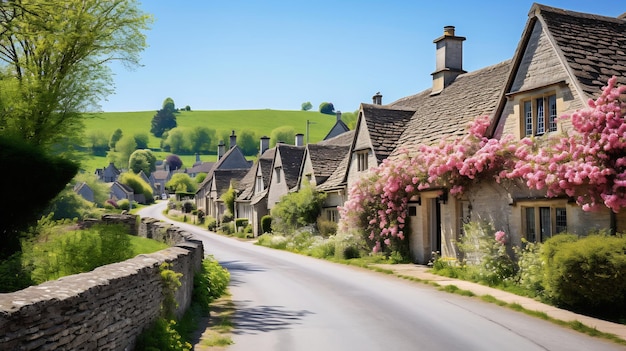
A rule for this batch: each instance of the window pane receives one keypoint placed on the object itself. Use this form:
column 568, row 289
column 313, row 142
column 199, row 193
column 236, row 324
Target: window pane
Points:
column 541, row 122
column 528, row 118
column 530, row 224
column 545, row 224
column 561, row 220
column 552, row 107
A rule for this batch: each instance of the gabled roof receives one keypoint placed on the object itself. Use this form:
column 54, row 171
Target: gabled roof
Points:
column 448, row 113
column 325, row 159
column 385, row 124
column 224, row 177
column 291, row 159
column 247, row 184
column 202, row 167
column 232, row 159
column 339, row 128
column 160, row 175
column 343, row 139
column 336, row 179
column 593, row 46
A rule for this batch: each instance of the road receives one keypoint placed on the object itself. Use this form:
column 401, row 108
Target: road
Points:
column 290, row 302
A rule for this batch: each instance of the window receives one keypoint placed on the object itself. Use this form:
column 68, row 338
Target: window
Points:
column 278, row 171
column 362, row 160
column 332, row 215
column 541, row 223
column 259, row 184
column 539, row 114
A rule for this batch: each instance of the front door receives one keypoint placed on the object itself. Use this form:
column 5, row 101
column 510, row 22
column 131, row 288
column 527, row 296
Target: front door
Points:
column 435, row 225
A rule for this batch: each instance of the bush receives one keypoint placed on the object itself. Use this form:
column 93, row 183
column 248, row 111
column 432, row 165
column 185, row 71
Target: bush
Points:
column 200, row 215
column 14, row 275
column 587, row 274
column 227, row 228
column 266, row 224
column 324, row 248
column 138, row 185
column 530, row 268
column 326, row 228
column 211, row 223
column 227, row 217
column 188, row 206
column 241, row 223
column 297, row 209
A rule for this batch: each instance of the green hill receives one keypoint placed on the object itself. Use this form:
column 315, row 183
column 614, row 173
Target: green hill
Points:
column 262, row 122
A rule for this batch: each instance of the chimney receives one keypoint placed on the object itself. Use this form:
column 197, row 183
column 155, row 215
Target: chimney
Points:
column 198, row 159
column 338, row 116
column 449, row 59
column 233, row 140
column 221, row 150
column 265, row 144
column 377, row 99
column 299, row 139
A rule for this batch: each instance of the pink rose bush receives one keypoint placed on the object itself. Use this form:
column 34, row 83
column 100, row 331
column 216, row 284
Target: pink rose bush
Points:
column 589, row 165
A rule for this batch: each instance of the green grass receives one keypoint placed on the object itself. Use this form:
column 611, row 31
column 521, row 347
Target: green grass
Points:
column 262, row 122
column 145, row 246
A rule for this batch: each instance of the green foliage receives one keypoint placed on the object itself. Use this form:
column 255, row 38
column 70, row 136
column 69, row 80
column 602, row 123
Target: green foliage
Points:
column 99, row 188
column 75, row 251
column 200, row 177
column 177, row 141
column 248, row 142
column 162, row 336
column 229, row 201
column 586, row 274
column 124, row 148
column 181, row 182
column 170, row 281
column 241, row 222
column 211, row 223
column 216, row 279
column 266, row 224
column 327, row 108
column 14, row 275
column 306, row 106
column 142, row 160
column 297, row 209
column 138, row 185
column 69, row 205
column 142, row 139
column 481, row 249
column 285, row 134
column 49, row 79
column 24, row 204
column 123, row 204
column 115, row 137
column 201, row 140
column 98, row 143
column 326, row 227
column 530, row 268
column 227, row 227
column 164, row 120
column 168, row 104
column 350, row 118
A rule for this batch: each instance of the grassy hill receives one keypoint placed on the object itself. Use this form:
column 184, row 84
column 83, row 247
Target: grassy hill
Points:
column 262, row 122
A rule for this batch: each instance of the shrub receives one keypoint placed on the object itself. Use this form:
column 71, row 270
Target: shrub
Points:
column 123, row 204
column 323, row 248
column 211, row 223
column 587, row 274
column 227, row 228
column 188, row 206
column 530, row 267
column 297, row 209
column 326, row 228
column 138, row 185
column 227, row 217
column 200, row 215
column 266, row 224
column 241, row 223
column 111, row 202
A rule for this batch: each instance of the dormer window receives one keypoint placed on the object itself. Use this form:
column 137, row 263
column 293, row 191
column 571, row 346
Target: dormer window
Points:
column 259, row 184
column 361, row 157
column 278, row 173
column 539, row 115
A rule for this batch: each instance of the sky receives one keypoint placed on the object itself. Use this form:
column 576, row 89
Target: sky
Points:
column 244, row 54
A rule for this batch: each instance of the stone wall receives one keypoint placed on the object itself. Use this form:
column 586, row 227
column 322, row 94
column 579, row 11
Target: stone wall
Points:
column 105, row 309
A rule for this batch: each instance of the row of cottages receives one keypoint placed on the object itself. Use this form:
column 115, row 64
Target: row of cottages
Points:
column 563, row 59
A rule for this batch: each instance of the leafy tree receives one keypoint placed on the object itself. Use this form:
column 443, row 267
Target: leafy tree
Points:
column 141, row 139
column 200, row 177
column 174, row 162
column 115, row 137
column 307, row 106
column 350, row 118
column 229, row 199
column 285, row 134
column 125, row 147
column 57, row 62
column 68, row 205
column 182, row 182
column 187, row 108
column 201, row 139
column 176, row 141
column 297, row 209
column 248, row 142
column 27, row 202
column 142, row 160
column 99, row 188
column 138, row 185
column 98, row 142
column 162, row 121
column 327, row 108
column 168, row 104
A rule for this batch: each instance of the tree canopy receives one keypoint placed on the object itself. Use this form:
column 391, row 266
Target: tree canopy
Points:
column 54, row 57
column 174, row 162
column 168, row 104
column 142, row 160
column 306, row 106
column 164, row 120
column 327, row 108
column 181, row 182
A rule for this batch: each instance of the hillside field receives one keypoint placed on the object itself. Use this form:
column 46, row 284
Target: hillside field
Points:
column 261, row 122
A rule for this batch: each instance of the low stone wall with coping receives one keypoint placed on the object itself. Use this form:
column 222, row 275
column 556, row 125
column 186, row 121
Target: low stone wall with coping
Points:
column 105, row 309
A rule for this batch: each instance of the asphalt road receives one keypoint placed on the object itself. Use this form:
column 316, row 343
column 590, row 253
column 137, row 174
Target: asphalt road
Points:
column 291, row 302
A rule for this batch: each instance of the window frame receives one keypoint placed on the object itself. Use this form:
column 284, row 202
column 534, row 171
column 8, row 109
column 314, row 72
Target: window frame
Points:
column 362, row 157
column 534, row 221
column 539, row 113
column 277, row 171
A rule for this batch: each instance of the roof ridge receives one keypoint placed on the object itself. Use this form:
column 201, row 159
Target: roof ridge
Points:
column 556, row 10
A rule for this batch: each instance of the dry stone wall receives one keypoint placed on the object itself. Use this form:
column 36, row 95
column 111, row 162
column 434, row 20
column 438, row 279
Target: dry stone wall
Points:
column 105, row 309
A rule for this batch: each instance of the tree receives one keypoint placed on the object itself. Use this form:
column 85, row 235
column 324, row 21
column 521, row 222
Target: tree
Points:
column 201, row 139
column 142, row 160
column 187, row 108
column 115, row 137
column 327, row 108
column 141, row 139
column 138, row 185
column 100, row 189
column 181, row 182
column 98, row 142
column 350, row 118
column 285, row 134
column 174, row 162
column 307, row 106
column 248, row 142
column 229, row 199
column 297, row 209
column 164, row 120
column 125, row 147
column 176, row 141
column 27, row 202
column 57, row 62
column 168, row 104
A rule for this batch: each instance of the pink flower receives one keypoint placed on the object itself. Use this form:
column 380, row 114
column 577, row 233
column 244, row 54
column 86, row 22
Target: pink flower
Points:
column 500, row 237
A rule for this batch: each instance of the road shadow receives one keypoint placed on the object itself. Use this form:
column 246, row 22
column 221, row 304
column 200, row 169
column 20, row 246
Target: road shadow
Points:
column 262, row 319
column 238, row 269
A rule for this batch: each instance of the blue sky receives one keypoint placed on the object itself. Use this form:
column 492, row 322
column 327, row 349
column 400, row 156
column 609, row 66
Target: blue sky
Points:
column 243, row 54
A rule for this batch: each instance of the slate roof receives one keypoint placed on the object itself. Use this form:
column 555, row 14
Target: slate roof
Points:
column 339, row 128
column 385, row 125
column 291, row 157
column 343, row 139
column 202, row 167
column 247, row 184
column 325, row 159
column 594, row 46
column 223, row 178
column 448, row 113
column 222, row 163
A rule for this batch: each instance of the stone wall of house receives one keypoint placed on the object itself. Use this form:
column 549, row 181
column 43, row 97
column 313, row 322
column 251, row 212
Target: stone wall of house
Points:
column 105, row 309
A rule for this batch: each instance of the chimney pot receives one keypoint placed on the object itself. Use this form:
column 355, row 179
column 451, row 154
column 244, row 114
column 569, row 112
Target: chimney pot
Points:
column 448, row 31
column 233, row 140
column 265, row 144
column 221, row 149
column 299, row 139
column 338, row 116
column 377, row 99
